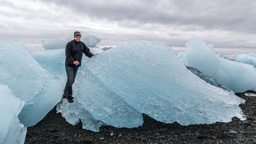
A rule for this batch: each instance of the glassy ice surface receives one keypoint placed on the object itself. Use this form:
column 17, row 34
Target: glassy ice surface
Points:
column 40, row 90
column 11, row 130
column 246, row 58
column 116, row 87
column 237, row 76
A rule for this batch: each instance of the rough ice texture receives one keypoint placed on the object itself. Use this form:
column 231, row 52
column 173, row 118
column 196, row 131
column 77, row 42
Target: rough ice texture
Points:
column 246, row 58
column 116, row 87
column 29, row 81
column 11, row 130
column 237, row 76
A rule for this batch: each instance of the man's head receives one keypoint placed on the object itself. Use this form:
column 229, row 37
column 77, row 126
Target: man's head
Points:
column 77, row 36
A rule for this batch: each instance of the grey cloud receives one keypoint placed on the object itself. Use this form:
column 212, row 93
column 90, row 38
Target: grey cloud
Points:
column 226, row 23
column 213, row 14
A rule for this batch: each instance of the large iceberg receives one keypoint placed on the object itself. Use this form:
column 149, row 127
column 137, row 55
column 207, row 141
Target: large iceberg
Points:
column 237, row 76
column 246, row 58
column 116, row 87
column 11, row 130
column 40, row 90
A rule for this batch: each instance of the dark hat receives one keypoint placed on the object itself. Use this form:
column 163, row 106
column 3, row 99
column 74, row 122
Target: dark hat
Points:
column 77, row 33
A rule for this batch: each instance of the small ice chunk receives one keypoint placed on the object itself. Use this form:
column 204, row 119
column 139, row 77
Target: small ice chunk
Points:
column 250, row 94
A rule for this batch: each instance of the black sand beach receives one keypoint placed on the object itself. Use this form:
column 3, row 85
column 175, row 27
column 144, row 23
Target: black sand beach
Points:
column 54, row 129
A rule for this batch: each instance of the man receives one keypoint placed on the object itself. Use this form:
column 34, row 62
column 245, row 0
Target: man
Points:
column 74, row 53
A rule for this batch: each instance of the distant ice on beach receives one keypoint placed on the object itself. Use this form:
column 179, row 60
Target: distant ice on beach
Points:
column 250, row 94
column 59, row 43
column 246, row 58
column 91, row 42
column 237, row 76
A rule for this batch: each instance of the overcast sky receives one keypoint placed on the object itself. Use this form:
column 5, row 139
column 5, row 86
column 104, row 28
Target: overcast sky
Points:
column 224, row 23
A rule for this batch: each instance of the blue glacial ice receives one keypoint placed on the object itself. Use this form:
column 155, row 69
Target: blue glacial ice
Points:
column 91, row 41
column 206, row 78
column 237, row 76
column 51, row 60
column 39, row 89
column 117, row 86
column 11, row 130
column 246, row 58
column 96, row 50
column 59, row 43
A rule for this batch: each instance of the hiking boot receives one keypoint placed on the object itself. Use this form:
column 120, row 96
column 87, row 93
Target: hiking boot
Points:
column 70, row 99
column 64, row 96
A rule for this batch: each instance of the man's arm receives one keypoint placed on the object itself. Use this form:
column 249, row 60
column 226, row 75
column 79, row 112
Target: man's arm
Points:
column 86, row 51
column 68, row 53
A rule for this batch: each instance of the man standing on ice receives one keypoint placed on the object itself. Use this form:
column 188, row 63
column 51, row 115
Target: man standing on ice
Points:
column 74, row 53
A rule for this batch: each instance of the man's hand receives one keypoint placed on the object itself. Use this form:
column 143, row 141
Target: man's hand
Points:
column 76, row 63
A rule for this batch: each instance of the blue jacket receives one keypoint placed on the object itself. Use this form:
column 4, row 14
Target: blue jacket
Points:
column 74, row 52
